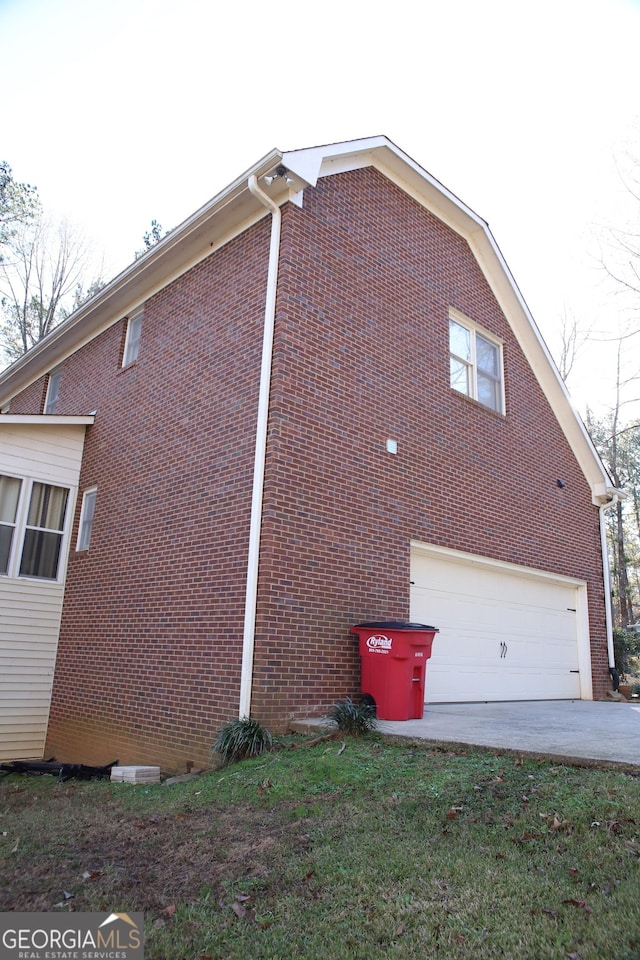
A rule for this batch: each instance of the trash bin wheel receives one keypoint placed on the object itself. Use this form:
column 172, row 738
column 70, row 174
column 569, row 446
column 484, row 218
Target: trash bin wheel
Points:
column 369, row 701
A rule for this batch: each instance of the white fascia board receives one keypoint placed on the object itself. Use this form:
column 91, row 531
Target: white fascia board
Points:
column 525, row 329
column 311, row 163
column 397, row 166
column 44, row 420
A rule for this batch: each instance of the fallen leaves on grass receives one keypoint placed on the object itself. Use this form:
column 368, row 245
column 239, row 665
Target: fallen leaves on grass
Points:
column 616, row 826
column 581, row 904
column 556, row 822
column 632, row 848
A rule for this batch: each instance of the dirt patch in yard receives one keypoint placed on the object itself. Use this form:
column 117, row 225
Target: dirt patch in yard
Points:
column 108, row 856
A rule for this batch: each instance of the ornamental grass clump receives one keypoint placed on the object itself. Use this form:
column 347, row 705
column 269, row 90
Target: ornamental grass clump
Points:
column 241, row 739
column 354, row 719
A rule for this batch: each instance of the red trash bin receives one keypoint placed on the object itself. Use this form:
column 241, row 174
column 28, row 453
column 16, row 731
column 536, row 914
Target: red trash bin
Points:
column 393, row 656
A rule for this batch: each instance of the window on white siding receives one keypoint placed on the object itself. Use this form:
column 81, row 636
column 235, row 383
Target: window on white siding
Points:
column 86, row 518
column 43, row 531
column 9, row 498
column 53, row 389
column 132, row 343
column 476, row 363
column 33, row 523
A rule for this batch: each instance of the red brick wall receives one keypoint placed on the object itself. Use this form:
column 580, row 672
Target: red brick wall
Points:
column 150, row 649
column 361, row 354
column 149, row 658
column 31, row 400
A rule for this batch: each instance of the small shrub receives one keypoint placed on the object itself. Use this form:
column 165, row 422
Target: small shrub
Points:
column 240, row 739
column 355, row 719
column 626, row 646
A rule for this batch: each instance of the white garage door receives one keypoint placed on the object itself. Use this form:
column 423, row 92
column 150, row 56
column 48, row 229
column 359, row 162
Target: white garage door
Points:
column 506, row 632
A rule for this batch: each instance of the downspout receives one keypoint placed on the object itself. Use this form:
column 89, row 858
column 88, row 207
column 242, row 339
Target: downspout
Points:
column 606, row 570
column 253, row 559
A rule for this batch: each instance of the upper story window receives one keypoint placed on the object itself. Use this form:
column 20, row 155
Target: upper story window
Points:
column 33, row 521
column 86, row 518
column 476, row 363
column 53, row 389
column 132, row 342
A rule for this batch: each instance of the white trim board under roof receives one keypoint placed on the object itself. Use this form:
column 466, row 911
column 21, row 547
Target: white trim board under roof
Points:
column 45, row 420
column 235, row 208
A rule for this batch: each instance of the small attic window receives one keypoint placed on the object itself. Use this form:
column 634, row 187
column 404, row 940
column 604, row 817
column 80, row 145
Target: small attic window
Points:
column 475, row 363
column 53, row 389
column 132, row 343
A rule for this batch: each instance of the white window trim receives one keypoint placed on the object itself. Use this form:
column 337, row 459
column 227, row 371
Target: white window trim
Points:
column 87, row 513
column 475, row 328
column 132, row 339
column 21, row 526
column 53, row 391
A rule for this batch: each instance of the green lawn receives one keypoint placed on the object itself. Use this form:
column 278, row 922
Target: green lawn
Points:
column 369, row 850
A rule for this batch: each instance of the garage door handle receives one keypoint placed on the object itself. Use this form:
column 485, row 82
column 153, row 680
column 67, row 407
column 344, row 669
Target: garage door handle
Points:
column 503, row 649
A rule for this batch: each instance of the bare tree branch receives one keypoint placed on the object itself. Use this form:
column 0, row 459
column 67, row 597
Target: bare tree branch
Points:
column 47, row 265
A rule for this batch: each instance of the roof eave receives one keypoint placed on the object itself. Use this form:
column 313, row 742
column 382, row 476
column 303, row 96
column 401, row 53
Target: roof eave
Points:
column 225, row 214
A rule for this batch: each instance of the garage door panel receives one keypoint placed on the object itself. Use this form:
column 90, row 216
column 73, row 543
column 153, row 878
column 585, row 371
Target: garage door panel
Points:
column 505, row 633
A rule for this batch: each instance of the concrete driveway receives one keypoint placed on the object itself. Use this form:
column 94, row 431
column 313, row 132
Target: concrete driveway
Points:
column 579, row 730
column 567, row 729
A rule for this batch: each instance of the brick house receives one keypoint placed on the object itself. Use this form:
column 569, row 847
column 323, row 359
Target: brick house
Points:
column 320, row 400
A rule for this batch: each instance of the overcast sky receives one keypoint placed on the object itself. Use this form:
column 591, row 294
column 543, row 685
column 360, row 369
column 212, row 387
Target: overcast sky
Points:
column 124, row 111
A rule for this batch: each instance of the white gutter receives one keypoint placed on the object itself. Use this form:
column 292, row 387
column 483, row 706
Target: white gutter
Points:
column 606, row 570
column 248, row 642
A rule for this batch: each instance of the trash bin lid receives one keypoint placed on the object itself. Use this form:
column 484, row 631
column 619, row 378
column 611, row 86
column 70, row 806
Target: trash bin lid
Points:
column 393, row 625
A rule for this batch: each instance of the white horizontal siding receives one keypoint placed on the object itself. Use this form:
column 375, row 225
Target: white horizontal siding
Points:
column 30, row 614
column 51, row 453
column 30, row 610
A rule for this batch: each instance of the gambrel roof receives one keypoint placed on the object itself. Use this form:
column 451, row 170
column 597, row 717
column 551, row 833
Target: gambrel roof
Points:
column 235, row 208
